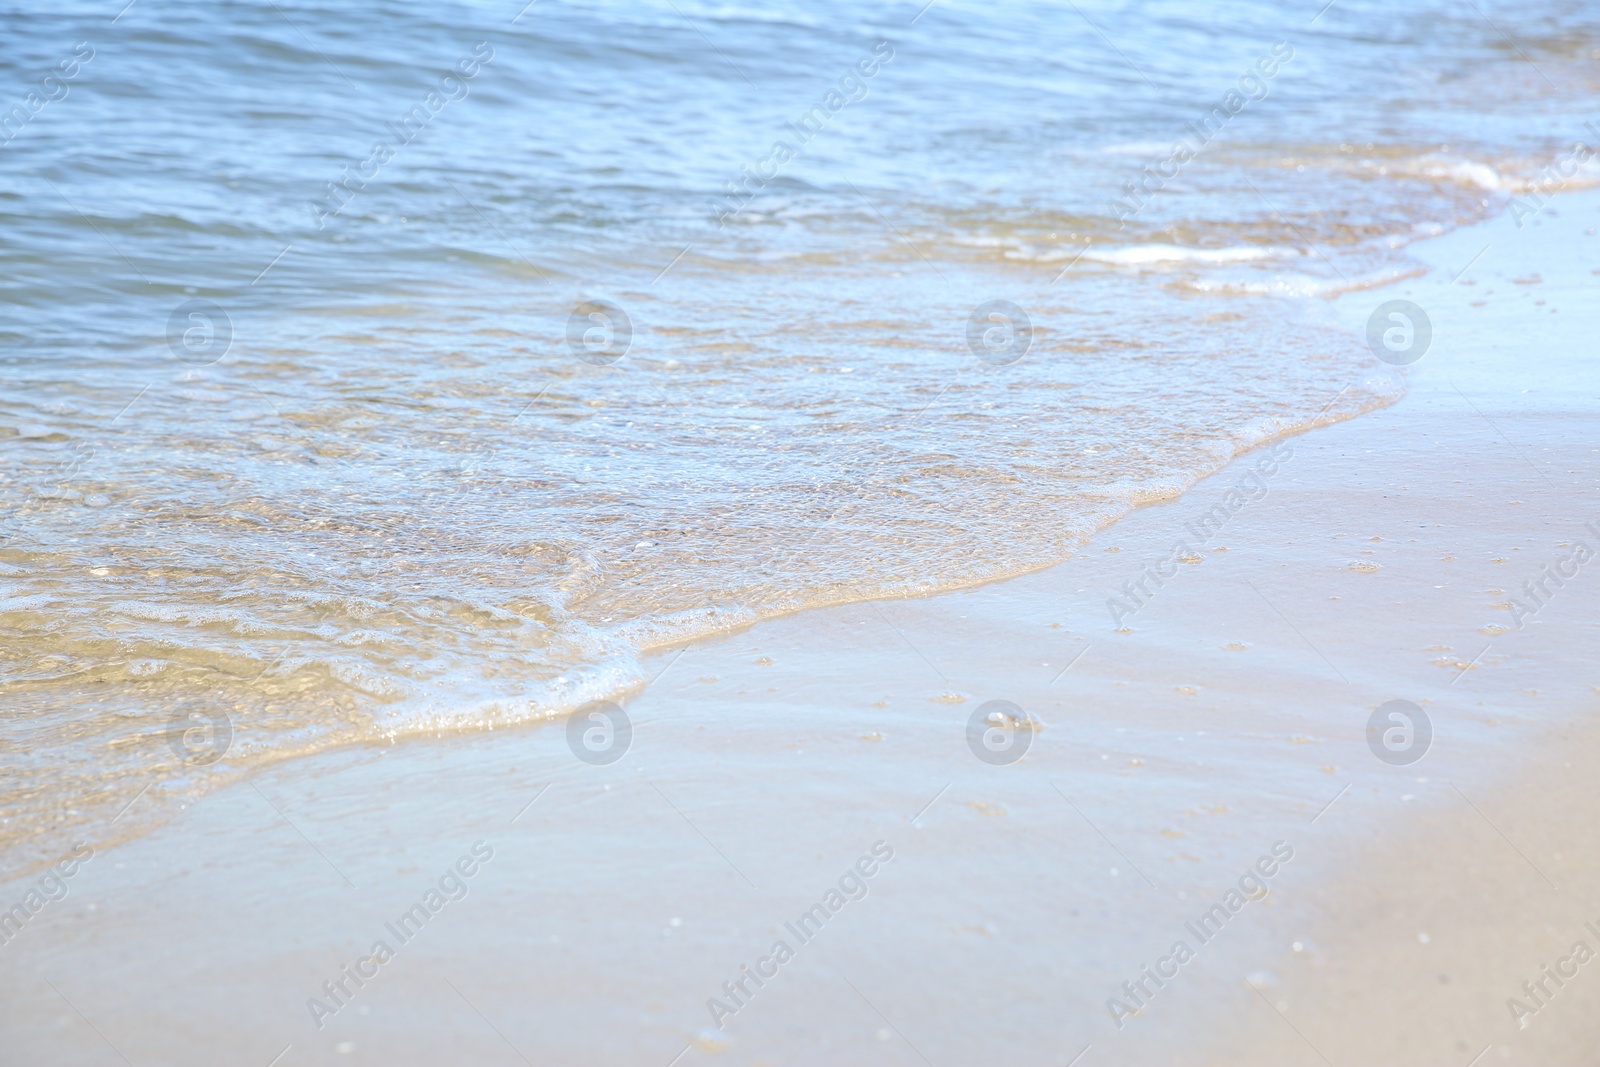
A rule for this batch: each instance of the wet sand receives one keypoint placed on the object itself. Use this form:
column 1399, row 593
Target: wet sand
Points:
column 1221, row 726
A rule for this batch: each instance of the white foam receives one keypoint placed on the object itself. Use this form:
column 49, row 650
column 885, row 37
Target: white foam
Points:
column 1293, row 284
column 1142, row 255
column 1138, row 148
column 1480, row 174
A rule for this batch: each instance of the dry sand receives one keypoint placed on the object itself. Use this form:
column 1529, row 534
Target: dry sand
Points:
column 1020, row 897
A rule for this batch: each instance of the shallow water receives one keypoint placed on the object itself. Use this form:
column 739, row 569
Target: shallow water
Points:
column 391, row 476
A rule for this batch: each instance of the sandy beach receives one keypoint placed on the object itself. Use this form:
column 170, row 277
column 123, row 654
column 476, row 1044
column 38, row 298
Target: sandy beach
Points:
column 817, row 781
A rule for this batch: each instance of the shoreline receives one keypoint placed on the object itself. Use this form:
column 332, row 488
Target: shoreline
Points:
column 622, row 673
column 1158, row 763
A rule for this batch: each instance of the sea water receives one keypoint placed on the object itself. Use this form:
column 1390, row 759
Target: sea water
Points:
column 386, row 369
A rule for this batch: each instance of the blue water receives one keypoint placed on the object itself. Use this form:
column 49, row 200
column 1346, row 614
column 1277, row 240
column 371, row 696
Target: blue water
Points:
column 631, row 321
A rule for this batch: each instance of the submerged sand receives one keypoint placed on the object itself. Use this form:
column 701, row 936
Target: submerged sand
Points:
column 810, row 782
